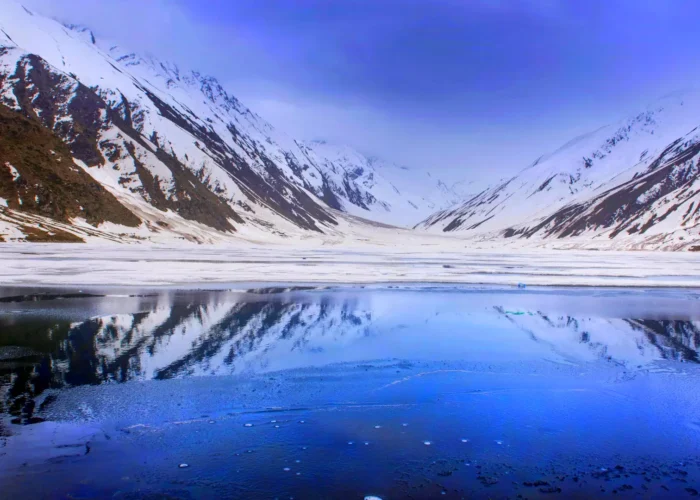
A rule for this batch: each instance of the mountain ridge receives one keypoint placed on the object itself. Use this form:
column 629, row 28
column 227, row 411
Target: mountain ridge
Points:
column 158, row 136
column 599, row 185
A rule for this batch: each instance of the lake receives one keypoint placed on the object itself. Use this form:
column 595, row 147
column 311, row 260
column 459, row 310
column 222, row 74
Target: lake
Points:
column 349, row 392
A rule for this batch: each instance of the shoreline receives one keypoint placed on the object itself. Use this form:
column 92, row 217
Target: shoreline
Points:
column 263, row 288
column 218, row 268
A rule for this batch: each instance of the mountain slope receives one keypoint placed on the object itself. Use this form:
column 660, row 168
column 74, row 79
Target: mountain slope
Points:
column 172, row 146
column 635, row 182
column 35, row 159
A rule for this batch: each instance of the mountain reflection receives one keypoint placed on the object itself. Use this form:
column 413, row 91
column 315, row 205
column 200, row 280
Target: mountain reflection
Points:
column 240, row 334
column 624, row 341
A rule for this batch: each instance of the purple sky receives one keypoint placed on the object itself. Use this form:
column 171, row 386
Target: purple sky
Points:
column 461, row 87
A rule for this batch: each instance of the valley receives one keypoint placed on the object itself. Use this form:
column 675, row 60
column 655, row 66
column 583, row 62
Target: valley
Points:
column 130, row 149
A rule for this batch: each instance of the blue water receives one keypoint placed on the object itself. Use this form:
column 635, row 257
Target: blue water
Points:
column 349, row 392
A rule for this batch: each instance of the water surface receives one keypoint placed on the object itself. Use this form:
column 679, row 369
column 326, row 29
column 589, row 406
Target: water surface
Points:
column 348, row 392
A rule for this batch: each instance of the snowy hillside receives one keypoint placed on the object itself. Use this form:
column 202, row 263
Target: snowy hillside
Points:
column 170, row 150
column 635, row 181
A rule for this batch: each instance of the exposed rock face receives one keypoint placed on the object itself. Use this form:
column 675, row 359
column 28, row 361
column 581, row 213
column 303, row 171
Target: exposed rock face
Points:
column 37, row 175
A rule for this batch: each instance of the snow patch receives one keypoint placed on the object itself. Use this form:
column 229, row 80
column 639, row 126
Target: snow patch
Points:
column 13, row 171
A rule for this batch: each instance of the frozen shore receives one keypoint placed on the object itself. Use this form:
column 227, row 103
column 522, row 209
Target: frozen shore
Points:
column 187, row 265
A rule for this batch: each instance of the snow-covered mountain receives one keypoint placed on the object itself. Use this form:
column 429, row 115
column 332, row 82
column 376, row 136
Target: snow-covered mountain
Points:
column 100, row 143
column 113, row 144
column 379, row 190
column 635, row 183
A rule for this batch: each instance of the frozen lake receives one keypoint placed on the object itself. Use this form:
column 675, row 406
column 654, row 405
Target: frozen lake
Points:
column 349, row 392
column 397, row 261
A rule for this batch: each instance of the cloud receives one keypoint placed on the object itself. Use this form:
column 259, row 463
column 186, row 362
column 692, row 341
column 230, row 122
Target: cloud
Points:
column 452, row 152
